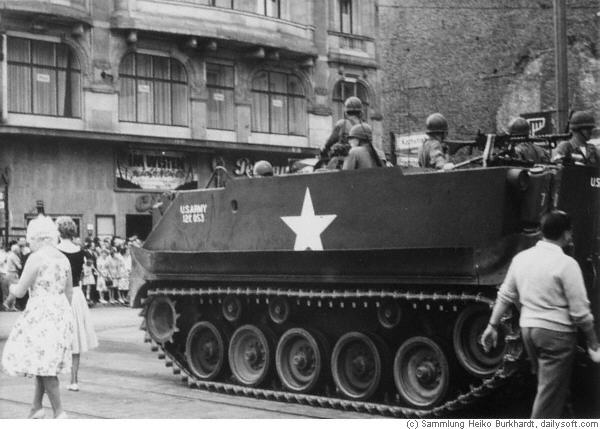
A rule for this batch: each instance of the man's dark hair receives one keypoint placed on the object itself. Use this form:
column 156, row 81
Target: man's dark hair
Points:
column 554, row 223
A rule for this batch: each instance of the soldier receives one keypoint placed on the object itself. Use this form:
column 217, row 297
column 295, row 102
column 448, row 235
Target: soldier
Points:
column 434, row 152
column 578, row 149
column 362, row 154
column 262, row 169
column 337, row 143
column 526, row 151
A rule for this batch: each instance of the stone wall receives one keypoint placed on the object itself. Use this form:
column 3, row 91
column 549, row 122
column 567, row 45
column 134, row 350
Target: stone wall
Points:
column 481, row 62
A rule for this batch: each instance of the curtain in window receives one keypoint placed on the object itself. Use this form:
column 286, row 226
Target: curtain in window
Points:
column 297, row 106
column 180, row 104
column 153, row 90
column 220, row 84
column 260, row 112
column 127, row 99
column 278, row 104
column 162, row 91
column 44, row 78
column 19, row 90
column 260, row 103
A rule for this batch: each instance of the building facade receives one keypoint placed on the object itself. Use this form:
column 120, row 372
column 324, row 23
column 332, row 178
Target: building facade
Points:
column 482, row 62
column 106, row 104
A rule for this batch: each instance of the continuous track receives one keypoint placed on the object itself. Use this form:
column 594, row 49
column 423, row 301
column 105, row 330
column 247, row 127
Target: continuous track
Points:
column 512, row 360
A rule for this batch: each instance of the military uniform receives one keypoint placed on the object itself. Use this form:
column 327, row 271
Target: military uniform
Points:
column 577, row 147
column 530, row 152
column 359, row 157
column 433, row 154
column 340, row 135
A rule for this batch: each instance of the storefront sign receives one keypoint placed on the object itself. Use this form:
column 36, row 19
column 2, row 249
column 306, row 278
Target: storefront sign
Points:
column 407, row 148
column 154, row 170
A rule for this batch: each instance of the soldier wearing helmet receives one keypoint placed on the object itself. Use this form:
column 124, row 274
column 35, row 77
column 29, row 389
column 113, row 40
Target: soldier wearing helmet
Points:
column 337, row 145
column 362, row 154
column 577, row 149
column 262, row 169
column 526, row 151
column 434, row 152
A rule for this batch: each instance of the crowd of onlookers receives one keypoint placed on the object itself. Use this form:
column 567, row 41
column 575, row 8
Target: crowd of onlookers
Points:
column 105, row 276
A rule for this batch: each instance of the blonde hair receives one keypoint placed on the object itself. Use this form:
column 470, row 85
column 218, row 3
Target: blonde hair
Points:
column 42, row 228
column 66, row 227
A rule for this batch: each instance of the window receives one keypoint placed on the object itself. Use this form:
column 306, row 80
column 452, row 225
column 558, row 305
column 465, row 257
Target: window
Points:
column 105, row 226
column 348, row 88
column 270, row 8
column 222, row 3
column 44, row 78
column 346, row 24
column 220, row 81
column 153, row 90
column 278, row 104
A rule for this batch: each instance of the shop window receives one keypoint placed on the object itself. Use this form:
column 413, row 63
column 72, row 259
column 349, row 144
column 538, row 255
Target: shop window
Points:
column 105, row 226
column 348, row 88
column 220, row 85
column 44, row 78
column 155, row 170
column 278, row 104
column 153, row 89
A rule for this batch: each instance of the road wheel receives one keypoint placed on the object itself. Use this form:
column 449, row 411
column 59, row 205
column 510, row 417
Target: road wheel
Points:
column 467, row 332
column 356, row 366
column 161, row 319
column 249, row 355
column 299, row 360
column 421, row 372
column 205, row 350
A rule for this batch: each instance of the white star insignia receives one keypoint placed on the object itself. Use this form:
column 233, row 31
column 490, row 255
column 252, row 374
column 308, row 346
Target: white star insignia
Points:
column 308, row 226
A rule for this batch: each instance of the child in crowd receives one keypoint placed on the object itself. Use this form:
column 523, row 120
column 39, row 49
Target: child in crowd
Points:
column 87, row 279
column 103, row 274
column 124, row 271
column 113, row 272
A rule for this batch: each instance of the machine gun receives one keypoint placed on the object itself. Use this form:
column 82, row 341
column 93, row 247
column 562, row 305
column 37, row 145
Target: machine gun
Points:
column 499, row 149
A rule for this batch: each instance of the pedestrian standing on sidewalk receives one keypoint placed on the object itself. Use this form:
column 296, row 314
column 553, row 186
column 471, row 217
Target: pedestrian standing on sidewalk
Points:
column 13, row 270
column 548, row 285
column 40, row 342
column 84, row 337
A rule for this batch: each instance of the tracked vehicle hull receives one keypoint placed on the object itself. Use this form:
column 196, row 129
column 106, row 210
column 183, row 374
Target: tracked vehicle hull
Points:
column 364, row 290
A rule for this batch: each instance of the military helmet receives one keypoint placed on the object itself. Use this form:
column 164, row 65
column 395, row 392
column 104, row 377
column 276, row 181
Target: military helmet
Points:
column 436, row 123
column 518, row 127
column 263, row 168
column 353, row 104
column 361, row 131
column 582, row 120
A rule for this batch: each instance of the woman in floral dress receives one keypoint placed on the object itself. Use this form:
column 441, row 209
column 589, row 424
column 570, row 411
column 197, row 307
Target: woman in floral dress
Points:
column 39, row 344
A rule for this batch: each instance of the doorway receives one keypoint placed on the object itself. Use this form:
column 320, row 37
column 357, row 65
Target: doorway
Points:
column 139, row 225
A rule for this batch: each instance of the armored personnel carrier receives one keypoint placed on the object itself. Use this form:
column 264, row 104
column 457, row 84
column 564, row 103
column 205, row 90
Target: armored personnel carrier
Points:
column 363, row 290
